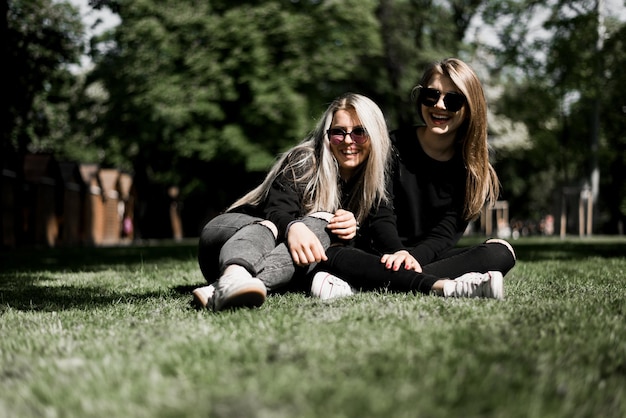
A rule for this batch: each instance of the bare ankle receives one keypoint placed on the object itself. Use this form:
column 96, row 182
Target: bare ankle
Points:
column 232, row 268
column 437, row 288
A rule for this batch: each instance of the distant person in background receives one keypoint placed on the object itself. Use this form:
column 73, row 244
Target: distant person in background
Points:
column 442, row 179
column 312, row 200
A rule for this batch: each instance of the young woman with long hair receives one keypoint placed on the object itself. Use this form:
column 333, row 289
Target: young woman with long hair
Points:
column 442, row 178
column 314, row 195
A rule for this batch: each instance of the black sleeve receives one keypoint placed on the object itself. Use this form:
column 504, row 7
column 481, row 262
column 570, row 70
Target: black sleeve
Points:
column 283, row 204
column 439, row 239
column 383, row 230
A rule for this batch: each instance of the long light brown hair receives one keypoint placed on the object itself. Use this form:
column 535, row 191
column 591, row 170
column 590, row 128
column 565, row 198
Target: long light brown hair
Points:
column 482, row 184
column 315, row 170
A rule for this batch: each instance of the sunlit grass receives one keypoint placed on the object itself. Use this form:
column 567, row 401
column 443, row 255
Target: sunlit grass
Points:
column 110, row 333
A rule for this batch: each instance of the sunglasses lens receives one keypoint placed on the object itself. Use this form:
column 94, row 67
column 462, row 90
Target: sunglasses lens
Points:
column 359, row 135
column 429, row 97
column 336, row 135
column 454, row 101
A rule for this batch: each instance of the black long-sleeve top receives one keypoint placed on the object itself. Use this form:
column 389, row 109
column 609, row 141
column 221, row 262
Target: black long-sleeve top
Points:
column 428, row 197
column 284, row 204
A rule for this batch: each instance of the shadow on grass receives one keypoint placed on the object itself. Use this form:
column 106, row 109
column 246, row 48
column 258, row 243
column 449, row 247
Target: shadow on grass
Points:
column 572, row 249
column 553, row 248
column 26, row 293
column 94, row 258
column 24, row 270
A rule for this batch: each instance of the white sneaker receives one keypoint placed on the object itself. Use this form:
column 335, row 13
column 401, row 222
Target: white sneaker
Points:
column 326, row 286
column 476, row 285
column 203, row 296
column 236, row 290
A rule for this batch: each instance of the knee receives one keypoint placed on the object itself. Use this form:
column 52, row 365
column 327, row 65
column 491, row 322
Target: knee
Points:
column 206, row 235
column 503, row 242
column 327, row 216
column 318, row 224
column 317, row 221
column 270, row 225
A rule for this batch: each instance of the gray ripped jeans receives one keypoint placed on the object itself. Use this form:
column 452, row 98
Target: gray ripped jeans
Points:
column 237, row 238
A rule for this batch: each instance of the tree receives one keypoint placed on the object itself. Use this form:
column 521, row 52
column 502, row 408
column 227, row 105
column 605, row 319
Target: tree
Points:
column 183, row 91
column 548, row 59
column 613, row 149
column 415, row 33
column 42, row 39
column 194, row 86
column 240, row 80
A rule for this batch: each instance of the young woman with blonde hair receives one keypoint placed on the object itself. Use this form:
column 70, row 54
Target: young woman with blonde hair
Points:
column 314, row 195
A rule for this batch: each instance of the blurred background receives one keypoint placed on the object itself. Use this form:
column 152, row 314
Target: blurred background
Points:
column 127, row 120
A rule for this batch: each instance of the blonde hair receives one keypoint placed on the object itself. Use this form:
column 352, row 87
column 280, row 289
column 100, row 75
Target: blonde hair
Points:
column 315, row 171
column 482, row 184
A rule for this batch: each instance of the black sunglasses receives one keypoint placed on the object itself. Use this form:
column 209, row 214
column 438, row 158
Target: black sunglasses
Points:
column 452, row 100
column 337, row 135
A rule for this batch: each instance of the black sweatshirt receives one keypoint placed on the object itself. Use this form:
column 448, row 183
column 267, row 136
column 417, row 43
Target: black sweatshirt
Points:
column 428, row 197
column 284, row 204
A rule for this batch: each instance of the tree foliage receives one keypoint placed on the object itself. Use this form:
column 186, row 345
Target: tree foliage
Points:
column 235, row 83
column 242, row 80
column 183, row 91
column 186, row 81
column 556, row 71
column 41, row 38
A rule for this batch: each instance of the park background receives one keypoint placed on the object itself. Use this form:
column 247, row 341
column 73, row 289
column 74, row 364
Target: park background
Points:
column 135, row 120
column 178, row 106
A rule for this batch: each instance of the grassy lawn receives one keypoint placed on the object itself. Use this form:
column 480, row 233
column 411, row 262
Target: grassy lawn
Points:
column 110, row 333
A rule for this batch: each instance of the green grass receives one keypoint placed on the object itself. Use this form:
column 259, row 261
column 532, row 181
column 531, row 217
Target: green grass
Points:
column 110, row 332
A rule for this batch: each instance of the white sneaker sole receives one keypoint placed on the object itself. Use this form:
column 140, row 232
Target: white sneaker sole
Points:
column 325, row 287
column 248, row 295
column 491, row 286
column 497, row 285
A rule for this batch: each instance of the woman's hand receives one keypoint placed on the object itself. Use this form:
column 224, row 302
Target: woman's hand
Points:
column 343, row 224
column 394, row 261
column 304, row 246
